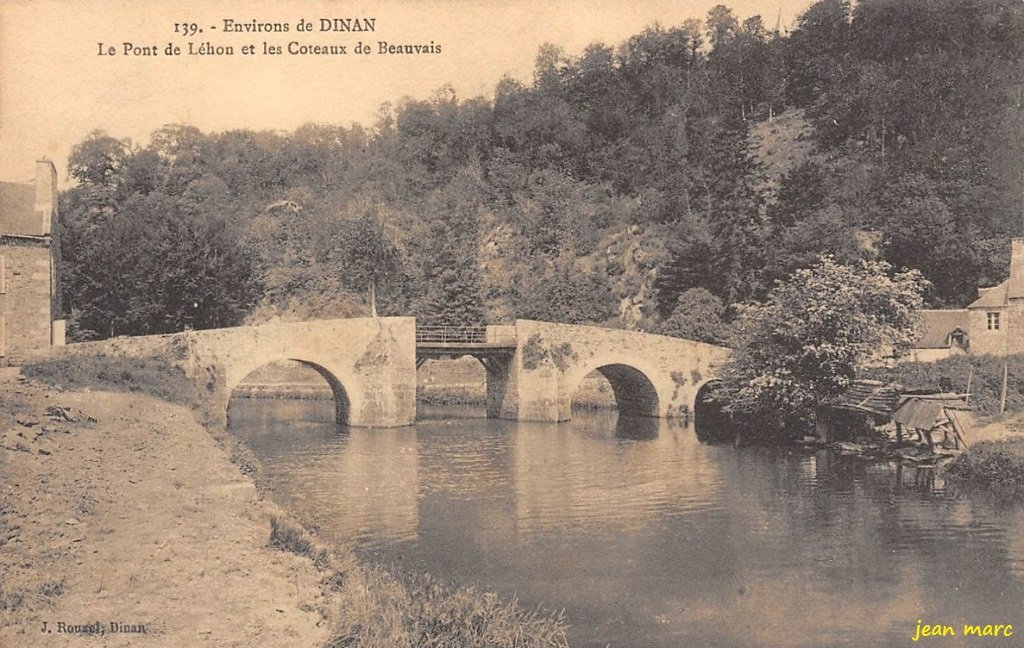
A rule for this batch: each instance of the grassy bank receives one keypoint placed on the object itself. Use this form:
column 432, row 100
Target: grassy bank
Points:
column 994, row 467
column 363, row 604
column 283, row 392
column 156, row 376
column 376, row 609
column 451, row 394
column 592, row 394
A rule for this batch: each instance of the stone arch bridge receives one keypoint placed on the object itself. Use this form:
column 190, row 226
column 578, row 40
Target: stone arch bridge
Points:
column 533, row 368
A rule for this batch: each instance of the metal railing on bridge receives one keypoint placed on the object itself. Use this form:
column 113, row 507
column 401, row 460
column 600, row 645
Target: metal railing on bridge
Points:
column 451, row 334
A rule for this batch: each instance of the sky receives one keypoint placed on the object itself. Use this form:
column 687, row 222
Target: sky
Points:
column 56, row 87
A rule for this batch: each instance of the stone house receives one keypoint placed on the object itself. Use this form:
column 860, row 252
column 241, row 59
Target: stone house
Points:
column 945, row 334
column 991, row 325
column 29, row 266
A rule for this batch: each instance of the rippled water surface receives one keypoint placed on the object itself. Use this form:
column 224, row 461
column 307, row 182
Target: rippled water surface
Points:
column 646, row 536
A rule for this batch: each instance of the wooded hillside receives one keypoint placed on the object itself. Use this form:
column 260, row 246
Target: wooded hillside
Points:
column 648, row 184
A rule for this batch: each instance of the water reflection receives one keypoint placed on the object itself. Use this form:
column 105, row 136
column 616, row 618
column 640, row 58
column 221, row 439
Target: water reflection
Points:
column 649, row 537
column 636, row 428
column 366, row 480
column 623, row 484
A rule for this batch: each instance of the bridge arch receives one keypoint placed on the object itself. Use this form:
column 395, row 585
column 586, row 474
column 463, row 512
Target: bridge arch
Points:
column 635, row 390
column 711, row 422
column 704, row 389
column 343, row 398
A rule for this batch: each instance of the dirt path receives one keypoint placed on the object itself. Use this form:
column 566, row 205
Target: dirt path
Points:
column 137, row 518
column 1010, row 428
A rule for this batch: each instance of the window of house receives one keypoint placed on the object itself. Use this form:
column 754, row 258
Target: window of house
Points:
column 959, row 338
column 993, row 321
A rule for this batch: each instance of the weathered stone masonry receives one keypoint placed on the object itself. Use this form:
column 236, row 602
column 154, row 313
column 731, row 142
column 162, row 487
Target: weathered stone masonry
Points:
column 29, row 263
column 370, row 364
column 651, row 375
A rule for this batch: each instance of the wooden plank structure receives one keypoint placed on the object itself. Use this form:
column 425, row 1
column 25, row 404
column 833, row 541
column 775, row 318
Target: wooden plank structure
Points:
column 930, row 413
column 865, row 399
column 869, row 396
column 923, row 412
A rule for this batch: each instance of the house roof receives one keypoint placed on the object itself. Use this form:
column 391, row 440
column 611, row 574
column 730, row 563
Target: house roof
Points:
column 18, row 209
column 923, row 411
column 871, row 396
column 917, row 413
column 1012, row 288
column 938, row 324
column 994, row 297
column 919, row 410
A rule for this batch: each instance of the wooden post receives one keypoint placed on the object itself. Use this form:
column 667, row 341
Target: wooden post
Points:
column 1002, row 398
column 899, row 433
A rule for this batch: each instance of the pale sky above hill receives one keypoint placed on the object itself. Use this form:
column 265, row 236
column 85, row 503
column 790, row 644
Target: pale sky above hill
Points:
column 55, row 88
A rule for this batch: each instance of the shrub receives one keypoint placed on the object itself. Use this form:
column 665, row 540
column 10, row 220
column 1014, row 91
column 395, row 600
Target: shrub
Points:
column 425, row 612
column 291, row 537
column 802, row 347
column 995, row 467
column 697, row 316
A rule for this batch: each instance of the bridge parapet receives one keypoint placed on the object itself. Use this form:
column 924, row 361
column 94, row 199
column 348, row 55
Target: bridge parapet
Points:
column 451, row 334
column 494, row 335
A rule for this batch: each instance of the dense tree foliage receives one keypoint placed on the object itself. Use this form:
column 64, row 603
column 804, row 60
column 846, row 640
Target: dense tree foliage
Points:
column 140, row 259
column 698, row 315
column 369, row 257
column 803, row 345
column 616, row 187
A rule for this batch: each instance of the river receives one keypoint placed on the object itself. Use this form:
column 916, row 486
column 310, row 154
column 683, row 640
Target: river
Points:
column 645, row 535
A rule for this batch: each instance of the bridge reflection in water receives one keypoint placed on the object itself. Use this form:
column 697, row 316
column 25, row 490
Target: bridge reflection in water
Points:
column 375, row 471
column 389, row 478
column 626, row 487
column 391, row 475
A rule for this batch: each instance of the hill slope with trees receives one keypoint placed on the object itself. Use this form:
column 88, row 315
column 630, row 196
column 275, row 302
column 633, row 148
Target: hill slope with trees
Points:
column 656, row 184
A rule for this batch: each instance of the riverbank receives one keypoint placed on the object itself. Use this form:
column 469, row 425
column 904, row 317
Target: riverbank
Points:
column 995, row 467
column 990, row 462
column 994, row 462
column 119, row 508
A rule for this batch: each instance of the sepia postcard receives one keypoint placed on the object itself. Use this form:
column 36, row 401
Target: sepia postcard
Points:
column 647, row 323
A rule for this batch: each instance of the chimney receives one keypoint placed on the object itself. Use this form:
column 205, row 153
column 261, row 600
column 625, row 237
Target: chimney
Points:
column 1015, row 284
column 46, row 194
